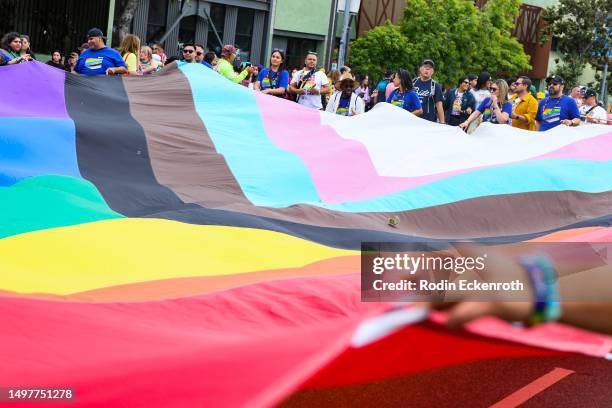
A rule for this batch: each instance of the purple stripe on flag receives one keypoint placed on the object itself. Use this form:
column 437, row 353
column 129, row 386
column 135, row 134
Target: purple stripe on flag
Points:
column 32, row 89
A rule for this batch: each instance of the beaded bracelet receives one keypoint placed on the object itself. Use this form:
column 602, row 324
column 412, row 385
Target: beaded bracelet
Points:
column 544, row 281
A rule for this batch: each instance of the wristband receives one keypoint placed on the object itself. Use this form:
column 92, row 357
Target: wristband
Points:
column 544, row 281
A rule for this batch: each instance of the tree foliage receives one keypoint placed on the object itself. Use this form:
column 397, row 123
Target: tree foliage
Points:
column 581, row 29
column 462, row 39
column 126, row 9
column 459, row 37
column 381, row 48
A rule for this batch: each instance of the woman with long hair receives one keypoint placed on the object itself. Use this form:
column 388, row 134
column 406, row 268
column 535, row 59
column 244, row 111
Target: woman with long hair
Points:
column 495, row 109
column 11, row 49
column 404, row 96
column 363, row 90
column 147, row 64
column 129, row 50
column 56, row 60
column 274, row 80
column 25, row 46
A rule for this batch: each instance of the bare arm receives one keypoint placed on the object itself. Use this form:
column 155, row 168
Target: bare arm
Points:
column 440, row 109
column 116, row 71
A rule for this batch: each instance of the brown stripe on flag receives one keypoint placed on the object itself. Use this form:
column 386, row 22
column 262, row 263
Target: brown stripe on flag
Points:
column 184, row 159
column 182, row 154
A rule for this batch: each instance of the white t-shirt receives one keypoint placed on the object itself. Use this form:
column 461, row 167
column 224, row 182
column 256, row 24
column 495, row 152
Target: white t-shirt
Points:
column 597, row 113
column 316, row 81
column 480, row 95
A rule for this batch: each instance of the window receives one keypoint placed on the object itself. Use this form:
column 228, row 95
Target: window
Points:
column 217, row 15
column 156, row 21
column 296, row 52
column 244, row 32
column 187, row 29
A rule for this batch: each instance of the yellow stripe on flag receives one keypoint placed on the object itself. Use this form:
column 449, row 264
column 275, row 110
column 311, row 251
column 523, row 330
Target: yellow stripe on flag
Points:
column 116, row 252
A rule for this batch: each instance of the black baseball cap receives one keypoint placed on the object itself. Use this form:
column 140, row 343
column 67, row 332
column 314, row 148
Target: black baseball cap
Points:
column 95, row 32
column 428, row 62
column 590, row 92
column 557, row 79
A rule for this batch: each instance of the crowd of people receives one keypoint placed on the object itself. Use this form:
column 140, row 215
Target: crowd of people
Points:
column 475, row 98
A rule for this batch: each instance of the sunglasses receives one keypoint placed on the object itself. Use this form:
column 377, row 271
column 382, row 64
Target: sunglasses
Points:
column 278, row 50
column 465, row 82
column 493, row 89
column 188, row 51
column 198, row 53
column 554, row 84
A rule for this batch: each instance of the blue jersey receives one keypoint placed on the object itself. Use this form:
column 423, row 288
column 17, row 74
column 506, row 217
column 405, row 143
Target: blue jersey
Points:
column 551, row 111
column 96, row 62
column 269, row 79
column 408, row 100
column 488, row 113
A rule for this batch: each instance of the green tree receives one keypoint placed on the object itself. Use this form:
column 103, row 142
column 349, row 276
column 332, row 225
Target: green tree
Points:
column 461, row 39
column 581, row 31
column 379, row 49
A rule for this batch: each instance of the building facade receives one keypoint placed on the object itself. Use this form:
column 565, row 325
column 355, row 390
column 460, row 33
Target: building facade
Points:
column 208, row 22
column 53, row 24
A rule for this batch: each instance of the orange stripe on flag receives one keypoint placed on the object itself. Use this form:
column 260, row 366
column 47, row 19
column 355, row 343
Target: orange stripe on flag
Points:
column 533, row 388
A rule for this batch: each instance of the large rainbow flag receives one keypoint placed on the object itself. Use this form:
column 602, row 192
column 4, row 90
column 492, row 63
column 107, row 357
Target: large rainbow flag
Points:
column 178, row 240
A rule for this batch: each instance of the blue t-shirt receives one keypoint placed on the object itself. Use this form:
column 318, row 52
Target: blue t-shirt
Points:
column 424, row 90
column 269, row 79
column 96, row 62
column 343, row 106
column 551, row 111
column 488, row 113
column 408, row 100
column 7, row 57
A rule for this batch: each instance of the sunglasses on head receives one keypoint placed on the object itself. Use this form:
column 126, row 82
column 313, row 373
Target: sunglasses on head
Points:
column 278, row 50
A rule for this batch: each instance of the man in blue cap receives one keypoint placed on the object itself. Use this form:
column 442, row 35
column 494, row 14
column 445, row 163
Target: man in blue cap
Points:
column 99, row 59
column 557, row 109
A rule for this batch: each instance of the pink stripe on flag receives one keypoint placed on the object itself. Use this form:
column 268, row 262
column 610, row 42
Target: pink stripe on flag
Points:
column 342, row 170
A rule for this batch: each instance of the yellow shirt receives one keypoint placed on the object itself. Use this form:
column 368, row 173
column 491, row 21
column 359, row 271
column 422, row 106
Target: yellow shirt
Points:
column 528, row 107
column 131, row 62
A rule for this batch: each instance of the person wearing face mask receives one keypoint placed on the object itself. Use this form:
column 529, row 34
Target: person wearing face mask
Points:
column 495, row 109
column 557, row 109
column 459, row 102
column 274, row 80
column 404, row 95
column 346, row 102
